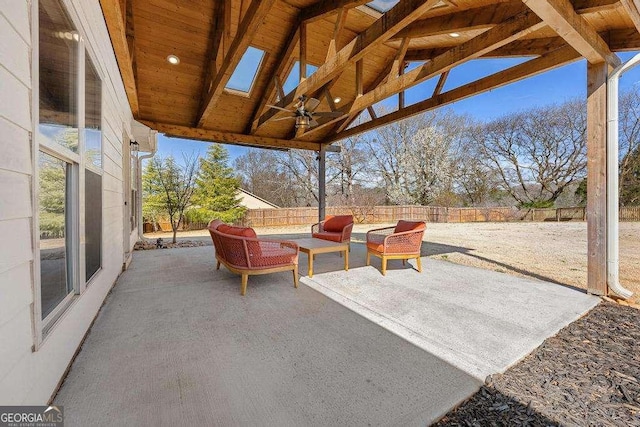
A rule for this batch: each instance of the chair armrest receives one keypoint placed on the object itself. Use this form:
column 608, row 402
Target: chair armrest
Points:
column 346, row 233
column 317, row 227
column 377, row 235
column 265, row 253
column 404, row 242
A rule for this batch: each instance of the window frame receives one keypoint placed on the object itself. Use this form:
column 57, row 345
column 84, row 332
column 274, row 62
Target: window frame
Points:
column 240, row 92
column 42, row 328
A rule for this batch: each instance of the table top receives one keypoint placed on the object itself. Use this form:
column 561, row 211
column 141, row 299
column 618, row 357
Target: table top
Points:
column 314, row 243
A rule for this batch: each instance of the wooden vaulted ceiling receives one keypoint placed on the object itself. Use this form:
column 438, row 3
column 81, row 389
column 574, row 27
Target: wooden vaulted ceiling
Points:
column 360, row 54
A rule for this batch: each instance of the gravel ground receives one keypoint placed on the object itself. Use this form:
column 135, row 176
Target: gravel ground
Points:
column 588, row 374
column 552, row 251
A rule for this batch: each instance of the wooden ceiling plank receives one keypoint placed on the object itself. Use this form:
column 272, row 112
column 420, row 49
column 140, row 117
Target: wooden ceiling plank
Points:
column 527, row 69
column 380, row 31
column 560, row 15
column 111, row 9
column 511, row 29
column 486, row 17
column 229, row 137
column 250, row 24
column 326, row 7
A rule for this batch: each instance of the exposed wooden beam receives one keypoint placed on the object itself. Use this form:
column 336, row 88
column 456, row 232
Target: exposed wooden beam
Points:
column 471, row 19
column 380, row 31
column 254, row 16
column 527, row 69
column 302, row 61
column 618, row 40
column 214, row 49
column 372, row 112
column 633, row 10
column 228, row 137
column 326, row 7
column 398, row 60
column 511, row 29
column 284, row 61
column 337, row 31
column 596, row 178
column 359, row 73
column 278, row 86
column 486, row 17
column 112, row 12
column 560, row 15
column 441, row 81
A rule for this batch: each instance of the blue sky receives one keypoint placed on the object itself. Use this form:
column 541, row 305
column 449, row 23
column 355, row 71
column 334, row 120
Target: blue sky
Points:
column 555, row 86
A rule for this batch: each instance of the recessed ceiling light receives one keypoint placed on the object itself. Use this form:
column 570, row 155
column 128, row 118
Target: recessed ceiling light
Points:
column 173, row 59
column 454, row 35
column 337, row 100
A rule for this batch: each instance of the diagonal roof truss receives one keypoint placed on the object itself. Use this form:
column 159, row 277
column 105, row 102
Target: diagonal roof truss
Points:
column 361, row 53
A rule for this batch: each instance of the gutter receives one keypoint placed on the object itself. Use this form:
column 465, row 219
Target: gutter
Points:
column 613, row 249
column 149, row 155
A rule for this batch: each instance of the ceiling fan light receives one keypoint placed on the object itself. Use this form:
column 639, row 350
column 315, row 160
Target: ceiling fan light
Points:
column 302, row 122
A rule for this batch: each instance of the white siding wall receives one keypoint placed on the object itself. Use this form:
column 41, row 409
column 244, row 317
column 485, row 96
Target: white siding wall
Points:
column 28, row 377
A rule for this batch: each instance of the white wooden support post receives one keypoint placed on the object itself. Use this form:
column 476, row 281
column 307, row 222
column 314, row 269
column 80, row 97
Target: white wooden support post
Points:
column 322, row 178
column 596, row 178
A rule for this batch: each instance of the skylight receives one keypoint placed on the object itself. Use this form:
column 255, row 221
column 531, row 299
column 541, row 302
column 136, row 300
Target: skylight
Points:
column 246, row 71
column 294, row 76
column 382, row 5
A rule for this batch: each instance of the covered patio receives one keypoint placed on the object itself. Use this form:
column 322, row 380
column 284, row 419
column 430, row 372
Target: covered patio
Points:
column 175, row 343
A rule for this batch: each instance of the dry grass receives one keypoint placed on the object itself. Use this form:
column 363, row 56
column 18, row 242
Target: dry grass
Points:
column 550, row 251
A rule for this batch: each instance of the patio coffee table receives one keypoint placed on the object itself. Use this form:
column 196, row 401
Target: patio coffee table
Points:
column 312, row 246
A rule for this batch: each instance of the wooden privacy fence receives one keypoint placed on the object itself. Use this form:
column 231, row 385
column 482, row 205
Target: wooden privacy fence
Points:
column 390, row 214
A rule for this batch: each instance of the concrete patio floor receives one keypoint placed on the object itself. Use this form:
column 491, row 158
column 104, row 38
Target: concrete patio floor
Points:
column 176, row 344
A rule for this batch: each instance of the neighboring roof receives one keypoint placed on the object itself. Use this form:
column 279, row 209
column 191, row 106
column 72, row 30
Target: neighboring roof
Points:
column 360, row 54
column 261, row 203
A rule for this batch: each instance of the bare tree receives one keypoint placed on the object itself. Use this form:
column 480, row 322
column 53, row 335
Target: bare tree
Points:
column 537, row 153
column 169, row 186
column 629, row 146
column 262, row 174
column 347, row 170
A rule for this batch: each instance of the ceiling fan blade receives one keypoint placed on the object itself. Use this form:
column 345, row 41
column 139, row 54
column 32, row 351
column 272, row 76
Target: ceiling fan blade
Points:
column 284, row 118
column 328, row 114
column 313, row 123
column 312, row 104
column 278, row 108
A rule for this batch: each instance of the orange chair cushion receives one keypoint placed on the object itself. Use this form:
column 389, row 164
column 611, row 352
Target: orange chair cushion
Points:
column 237, row 231
column 408, row 226
column 378, row 247
column 334, row 237
column 337, row 223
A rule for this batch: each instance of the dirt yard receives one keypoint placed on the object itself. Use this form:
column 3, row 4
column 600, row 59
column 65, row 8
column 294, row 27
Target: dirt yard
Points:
column 552, row 251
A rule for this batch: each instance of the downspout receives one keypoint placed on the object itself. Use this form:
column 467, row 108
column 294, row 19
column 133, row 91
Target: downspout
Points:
column 149, row 155
column 613, row 250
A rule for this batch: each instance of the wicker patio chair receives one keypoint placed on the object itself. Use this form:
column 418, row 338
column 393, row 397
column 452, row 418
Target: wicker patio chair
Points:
column 400, row 242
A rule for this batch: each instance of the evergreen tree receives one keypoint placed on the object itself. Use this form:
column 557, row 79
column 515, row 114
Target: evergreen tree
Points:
column 217, row 188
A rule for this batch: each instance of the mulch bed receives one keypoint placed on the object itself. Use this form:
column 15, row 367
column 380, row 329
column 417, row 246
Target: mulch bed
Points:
column 152, row 244
column 588, row 374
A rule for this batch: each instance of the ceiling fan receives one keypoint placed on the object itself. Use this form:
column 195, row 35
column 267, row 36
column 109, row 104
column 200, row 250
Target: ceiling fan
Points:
column 303, row 112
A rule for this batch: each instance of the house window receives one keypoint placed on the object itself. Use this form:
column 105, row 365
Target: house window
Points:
column 58, row 73
column 92, row 115
column 68, row 140
column 56, row 256
column 92, row 223
column 246, row 71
